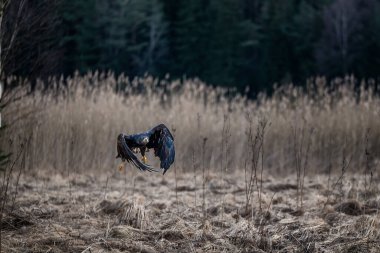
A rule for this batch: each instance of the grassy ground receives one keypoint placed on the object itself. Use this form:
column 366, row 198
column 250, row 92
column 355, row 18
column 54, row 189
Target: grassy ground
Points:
column 142, row 212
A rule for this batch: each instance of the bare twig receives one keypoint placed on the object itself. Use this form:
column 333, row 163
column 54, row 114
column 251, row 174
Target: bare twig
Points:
column 344, row 167
column 195, row 177
column 254, row 148
column 175, row 177
column 263, row 124
column 225, row 152
column 204, row 179
column 105, row 189
column 301, row 158
column 368, row 173
column 305, row 165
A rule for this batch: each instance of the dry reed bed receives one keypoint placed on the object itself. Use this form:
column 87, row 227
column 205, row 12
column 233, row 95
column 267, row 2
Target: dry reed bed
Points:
column 72, row 125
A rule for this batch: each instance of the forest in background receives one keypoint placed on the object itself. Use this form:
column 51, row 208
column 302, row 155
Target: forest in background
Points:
column 233, row 43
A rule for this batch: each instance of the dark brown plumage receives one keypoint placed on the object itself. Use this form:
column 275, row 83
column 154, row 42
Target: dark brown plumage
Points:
column 158, row 138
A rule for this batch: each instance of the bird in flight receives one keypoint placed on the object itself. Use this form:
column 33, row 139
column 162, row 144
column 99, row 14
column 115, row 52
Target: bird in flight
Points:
column 158, row 138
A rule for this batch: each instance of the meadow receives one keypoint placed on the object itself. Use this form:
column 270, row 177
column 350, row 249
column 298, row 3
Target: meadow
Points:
column 293, row 171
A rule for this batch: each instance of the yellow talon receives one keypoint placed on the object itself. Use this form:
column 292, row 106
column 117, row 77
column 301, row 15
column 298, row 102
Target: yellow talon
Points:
column 121, row 167
column 144, row 159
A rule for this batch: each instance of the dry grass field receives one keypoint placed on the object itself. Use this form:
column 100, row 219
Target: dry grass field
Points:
column 296, row 171
column 139, row 212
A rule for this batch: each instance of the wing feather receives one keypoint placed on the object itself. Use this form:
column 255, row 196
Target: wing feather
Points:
column 126, row 153
column 163, row 143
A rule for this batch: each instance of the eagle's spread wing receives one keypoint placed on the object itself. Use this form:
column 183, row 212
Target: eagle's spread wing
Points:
column 163, row 143
column 124, row 152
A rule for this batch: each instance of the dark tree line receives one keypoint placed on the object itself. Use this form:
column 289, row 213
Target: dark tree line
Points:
column 225, row 42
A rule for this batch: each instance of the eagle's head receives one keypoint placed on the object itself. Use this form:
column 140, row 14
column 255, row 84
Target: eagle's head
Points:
column 143, row 140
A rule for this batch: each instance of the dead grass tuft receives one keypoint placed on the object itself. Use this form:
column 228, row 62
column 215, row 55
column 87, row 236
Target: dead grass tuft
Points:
column 135, row 215
column 282, row 187
column 14, row 221
column 185, row 188
column 109, row 207
column 350, row 207
column 123, row 231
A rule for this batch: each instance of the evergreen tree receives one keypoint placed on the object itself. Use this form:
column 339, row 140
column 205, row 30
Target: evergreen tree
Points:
column 276, row 52
column 191, row 44
column 213, row 38
column 374, row 35
column 113, row 30
column 81, row 40
column 225, row 42
column 368, row 60
column 303, row 34
column 147, row 31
